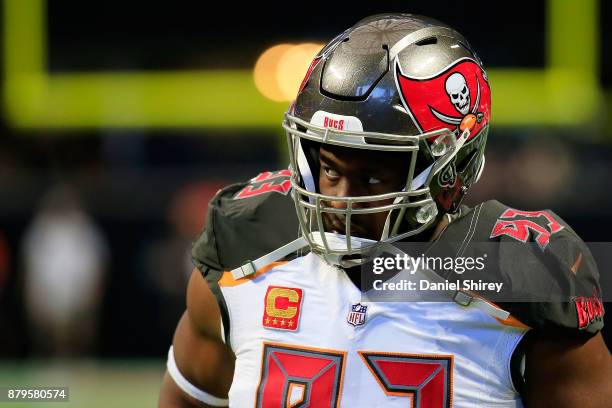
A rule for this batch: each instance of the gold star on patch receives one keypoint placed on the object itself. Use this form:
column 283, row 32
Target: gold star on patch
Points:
column 290, row 323
column 275, row 322
column 282, row 322
column 267, row 320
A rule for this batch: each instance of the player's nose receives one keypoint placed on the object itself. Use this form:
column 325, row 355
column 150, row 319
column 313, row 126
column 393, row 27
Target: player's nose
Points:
column 346, row 188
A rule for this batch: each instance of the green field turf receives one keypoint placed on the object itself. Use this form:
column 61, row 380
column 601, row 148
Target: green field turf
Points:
column 92, row 384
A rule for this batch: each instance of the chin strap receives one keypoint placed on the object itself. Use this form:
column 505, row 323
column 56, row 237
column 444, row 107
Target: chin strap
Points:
column 305, row 170
column 466, row 299
column 480, row 170
column 250, row 267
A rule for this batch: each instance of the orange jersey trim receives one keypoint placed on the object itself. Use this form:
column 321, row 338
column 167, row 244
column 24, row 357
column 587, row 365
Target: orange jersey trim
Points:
column 227, row 280
column 509, row 321
column 514, row 322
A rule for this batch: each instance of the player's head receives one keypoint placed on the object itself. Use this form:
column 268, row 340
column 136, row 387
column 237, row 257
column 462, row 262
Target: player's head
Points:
column 387, row 133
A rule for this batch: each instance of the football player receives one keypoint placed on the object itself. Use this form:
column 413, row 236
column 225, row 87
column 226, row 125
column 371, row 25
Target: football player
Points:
column 386, row 136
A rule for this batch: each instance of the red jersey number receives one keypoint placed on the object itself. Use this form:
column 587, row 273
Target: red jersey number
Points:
column 519, row 229
column 266, row 182
column 294, row 376
column 427, row 380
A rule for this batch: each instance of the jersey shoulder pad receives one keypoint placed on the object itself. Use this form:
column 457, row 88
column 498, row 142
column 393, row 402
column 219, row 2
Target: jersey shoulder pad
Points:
column 493, row 220
column 551, row 276
column 246, row 220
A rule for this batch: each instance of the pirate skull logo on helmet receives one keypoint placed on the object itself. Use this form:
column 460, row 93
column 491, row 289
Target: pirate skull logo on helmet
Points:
column 458, row 92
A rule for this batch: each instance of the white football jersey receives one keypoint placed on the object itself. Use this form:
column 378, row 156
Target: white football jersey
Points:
column 303, row 337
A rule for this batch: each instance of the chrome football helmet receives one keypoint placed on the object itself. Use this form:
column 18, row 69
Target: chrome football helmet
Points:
column 396, row 83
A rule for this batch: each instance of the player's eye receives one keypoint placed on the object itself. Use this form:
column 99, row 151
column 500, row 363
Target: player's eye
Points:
column 330, row 173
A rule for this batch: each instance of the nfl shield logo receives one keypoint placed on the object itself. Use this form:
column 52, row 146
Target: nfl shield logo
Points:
column 357, row 315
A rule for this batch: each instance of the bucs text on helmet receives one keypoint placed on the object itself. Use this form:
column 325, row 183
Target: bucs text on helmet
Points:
column 397, row 83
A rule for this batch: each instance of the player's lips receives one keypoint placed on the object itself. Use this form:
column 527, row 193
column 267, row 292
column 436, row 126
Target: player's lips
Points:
column 333, row 223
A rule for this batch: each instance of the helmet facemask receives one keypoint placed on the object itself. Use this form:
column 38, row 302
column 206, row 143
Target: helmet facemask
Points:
column 410, row 210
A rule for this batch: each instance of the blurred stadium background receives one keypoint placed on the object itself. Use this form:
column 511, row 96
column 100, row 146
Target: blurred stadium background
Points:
column 121, row 119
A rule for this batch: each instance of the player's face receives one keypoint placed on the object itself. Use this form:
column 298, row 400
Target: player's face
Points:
column 358, row 172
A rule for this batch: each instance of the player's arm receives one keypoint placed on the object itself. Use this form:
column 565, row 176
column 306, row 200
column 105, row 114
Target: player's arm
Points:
column 202, row 358
column 567, row 372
